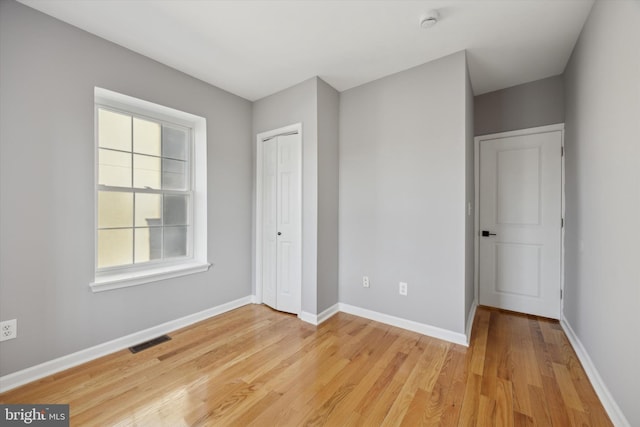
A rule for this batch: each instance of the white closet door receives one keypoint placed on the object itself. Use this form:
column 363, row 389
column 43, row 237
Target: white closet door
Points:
column 281, row 263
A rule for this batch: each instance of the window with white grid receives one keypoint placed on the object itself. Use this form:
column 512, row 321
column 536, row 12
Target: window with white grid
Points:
column 145, row 198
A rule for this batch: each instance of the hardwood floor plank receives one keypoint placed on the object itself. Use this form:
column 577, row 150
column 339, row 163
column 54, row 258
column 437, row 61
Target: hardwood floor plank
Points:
column 539, row 406
column 567, row 389
column 471, row 401
column 416, row 409
column 497, row 342
column 504, row 403
column 479, row 345
column 486, row 411
column 256, row 366
column 454, row 396
column 522, row 420
column 540, row 348
column 557, row 409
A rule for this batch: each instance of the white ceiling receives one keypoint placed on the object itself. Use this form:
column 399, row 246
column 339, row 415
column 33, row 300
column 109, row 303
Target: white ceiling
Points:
column 255, row 48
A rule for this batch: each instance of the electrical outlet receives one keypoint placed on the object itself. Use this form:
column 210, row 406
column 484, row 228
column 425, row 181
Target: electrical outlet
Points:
column 402, row 288
column 365, row 281
column 8, row 329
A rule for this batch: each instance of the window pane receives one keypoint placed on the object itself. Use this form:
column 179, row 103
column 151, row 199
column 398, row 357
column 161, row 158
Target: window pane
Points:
column 148, row 244
column 175, row 210
column 174, row 174
column 174, row 143
column 175, row 241
column 114, row 130
column 115, row 247
column 115, row 209
column 146, row 171
column 148, row 210
column 114, row 168
column 146, row 137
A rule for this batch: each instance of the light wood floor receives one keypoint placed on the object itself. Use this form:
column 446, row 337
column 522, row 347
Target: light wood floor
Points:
column 255, row 366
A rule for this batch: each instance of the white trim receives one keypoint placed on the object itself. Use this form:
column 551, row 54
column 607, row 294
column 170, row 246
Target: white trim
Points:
column 528, row 131
column 140, row 106
column 613, row 410
column 563, row 227
column 421, row 328
column 476, row 154
column 51, row 367
column 307, row 317
column 116, row 281
column 319, row 318
column 297, row 127
column 328, row 313
column 470, row 318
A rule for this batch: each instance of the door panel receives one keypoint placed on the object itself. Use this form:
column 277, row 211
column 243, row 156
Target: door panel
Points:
column 520, row 201
column 288, row 213
column 269, row 223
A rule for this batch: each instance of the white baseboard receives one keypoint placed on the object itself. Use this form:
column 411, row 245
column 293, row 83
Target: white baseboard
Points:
column 421, row 328
column 613, row 410
column 308, row 317
column 328, row 313
column 51, row 367
column 316, row 319
column 470, row 317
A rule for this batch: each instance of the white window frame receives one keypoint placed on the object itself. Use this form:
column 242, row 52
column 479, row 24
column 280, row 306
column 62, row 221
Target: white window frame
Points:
column 196, row 260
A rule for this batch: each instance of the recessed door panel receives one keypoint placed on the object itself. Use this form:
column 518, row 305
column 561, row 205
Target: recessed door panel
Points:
column 518, row 269
column 518, row 181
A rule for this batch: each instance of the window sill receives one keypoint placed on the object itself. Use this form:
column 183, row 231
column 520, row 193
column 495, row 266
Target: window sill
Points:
column 123, row 280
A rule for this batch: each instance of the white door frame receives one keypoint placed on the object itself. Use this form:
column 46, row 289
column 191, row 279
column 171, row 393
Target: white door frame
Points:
column 476, row 155
column 297, row 127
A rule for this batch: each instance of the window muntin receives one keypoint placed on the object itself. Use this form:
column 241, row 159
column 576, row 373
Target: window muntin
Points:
column 144, row 191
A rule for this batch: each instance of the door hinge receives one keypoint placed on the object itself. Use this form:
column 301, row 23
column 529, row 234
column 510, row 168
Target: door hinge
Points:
column 561, row 222
column 560, row 293
column 561, row 151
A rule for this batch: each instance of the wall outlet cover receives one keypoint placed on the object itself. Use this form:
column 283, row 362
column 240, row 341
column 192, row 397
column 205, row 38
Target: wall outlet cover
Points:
column 402, row 288
column 8, row 329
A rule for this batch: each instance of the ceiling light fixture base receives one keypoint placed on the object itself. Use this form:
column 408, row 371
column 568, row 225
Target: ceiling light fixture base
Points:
column 429, row 19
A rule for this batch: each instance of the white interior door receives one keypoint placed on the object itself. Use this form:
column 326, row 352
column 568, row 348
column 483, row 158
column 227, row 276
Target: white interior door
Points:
column 281, row 219
column 520, row 223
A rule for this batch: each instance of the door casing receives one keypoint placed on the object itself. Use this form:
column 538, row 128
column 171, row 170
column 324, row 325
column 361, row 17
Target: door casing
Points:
column 520, row 132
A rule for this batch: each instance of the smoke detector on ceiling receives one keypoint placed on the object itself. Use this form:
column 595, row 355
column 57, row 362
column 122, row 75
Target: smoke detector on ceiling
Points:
column 429, row 19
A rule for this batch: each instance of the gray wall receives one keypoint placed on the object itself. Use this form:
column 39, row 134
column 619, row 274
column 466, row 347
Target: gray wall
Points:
column 470, row 195
column 402, row 193
column 48, row 71
column 524, row 106
column 299, row 104
column 328, row 112
column 602, row 281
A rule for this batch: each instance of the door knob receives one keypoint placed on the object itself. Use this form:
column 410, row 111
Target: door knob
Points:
column 485, row 233
column 279, row 233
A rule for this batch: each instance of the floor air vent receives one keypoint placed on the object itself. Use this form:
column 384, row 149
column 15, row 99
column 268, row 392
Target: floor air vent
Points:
column 148, row 344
